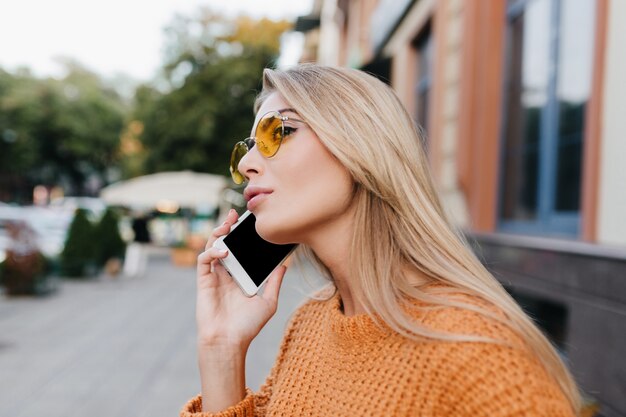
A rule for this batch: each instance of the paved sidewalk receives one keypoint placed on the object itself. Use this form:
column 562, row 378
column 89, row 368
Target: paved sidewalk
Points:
column 116, row 348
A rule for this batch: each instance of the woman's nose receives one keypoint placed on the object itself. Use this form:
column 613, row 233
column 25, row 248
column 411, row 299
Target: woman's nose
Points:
column 251, row 163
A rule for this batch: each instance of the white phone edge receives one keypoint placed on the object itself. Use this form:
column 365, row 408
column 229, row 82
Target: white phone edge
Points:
column 234, row 268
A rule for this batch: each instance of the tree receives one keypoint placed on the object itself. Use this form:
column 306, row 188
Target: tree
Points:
column 79, row 129
column 19, row 112
column 212, row 74
column 109, row 242
column 57, row 132
column 77, row 258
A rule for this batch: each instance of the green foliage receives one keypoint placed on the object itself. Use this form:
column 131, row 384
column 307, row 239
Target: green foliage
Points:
column 77, row 258
column 57, row 131
column 213, row 75
column 66, row 131
column 18, row 114
column 109, row 242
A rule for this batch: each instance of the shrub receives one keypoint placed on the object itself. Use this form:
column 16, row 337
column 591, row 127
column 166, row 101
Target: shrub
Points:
column 24, row 269
column 23, row 273
column 108, row 240
column 78, row 256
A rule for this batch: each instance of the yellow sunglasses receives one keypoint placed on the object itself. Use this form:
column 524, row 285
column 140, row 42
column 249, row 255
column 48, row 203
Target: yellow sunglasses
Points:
column 268, row 136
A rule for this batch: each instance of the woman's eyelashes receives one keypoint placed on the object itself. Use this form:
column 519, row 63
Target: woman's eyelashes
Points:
column 290, row 130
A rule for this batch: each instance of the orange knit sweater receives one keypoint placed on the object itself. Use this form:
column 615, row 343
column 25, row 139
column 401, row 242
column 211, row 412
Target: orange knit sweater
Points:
column 333, row 365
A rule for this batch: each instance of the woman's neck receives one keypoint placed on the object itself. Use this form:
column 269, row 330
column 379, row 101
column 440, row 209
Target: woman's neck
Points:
column 344, row 281
column 332, row 247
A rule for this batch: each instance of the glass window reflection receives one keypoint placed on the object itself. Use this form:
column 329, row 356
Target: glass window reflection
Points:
column 573, row 91
column 548, row 74
column 528, row 66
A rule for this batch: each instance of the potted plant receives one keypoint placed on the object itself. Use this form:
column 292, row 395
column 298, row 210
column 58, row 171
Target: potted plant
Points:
column 183, row 255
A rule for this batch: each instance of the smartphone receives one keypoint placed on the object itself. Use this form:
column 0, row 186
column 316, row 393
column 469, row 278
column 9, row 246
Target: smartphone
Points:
column 250, row 259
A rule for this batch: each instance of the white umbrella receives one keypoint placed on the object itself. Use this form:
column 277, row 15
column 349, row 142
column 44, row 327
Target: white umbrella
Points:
column 173, row 189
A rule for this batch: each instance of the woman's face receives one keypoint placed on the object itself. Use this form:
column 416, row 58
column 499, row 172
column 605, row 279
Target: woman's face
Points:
column 299, row 192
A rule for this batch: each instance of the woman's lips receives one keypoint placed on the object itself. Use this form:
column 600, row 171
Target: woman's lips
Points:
column 256, row 200
column 255, row 195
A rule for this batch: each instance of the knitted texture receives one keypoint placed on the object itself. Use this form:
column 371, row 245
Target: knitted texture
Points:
column 333, row 365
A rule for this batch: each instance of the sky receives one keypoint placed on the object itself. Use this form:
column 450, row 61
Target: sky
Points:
column 115, row 36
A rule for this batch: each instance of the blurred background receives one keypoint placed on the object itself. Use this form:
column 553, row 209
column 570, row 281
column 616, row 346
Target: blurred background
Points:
column 116, row 125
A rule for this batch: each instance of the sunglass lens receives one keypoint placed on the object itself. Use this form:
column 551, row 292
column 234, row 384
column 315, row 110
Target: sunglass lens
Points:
column 269, row 134
column 239, row 151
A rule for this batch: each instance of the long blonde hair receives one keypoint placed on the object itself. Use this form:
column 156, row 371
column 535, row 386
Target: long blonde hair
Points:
column 399, row 219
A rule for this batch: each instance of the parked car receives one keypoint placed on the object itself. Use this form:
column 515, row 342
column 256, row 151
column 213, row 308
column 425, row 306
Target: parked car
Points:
column 50, row 227
column 7, row 214
column 95, row 206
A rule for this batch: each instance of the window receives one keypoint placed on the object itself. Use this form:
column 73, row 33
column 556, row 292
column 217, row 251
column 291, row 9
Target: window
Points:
column 424, row 47
column 549, row 58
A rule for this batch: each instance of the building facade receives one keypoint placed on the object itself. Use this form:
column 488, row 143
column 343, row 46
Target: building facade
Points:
column 524, row 105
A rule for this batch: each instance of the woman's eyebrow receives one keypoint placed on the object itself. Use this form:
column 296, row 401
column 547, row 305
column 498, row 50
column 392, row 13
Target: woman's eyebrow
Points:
column 288, row 109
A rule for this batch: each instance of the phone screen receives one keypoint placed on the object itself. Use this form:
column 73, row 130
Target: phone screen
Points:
column 256, row 255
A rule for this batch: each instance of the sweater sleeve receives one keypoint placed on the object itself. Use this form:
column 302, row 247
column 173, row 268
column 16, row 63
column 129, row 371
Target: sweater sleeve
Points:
column 245, row 408
column 253, row 404
column 498, row 381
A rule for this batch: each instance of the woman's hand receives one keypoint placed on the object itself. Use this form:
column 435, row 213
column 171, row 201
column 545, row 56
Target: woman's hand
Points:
column 226, row 318
column 227, row 322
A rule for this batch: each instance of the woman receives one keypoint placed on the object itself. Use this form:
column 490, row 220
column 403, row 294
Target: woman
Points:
column 415, row 327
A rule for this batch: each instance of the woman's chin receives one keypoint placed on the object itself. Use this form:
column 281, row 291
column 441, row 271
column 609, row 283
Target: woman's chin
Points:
column 276, row 235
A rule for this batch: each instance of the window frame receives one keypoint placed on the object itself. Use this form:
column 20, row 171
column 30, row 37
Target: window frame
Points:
column 548, row 221
column 423, row 47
